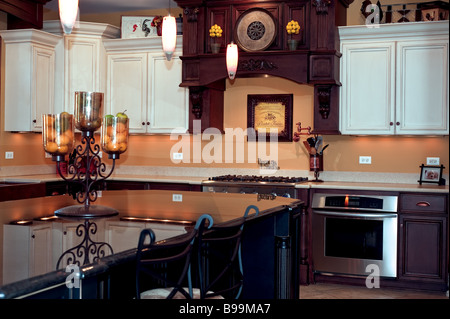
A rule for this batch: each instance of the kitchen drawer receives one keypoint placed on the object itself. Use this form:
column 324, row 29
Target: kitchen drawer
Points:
column 423, row 203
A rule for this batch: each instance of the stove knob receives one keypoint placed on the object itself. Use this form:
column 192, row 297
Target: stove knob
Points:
column 287, row 195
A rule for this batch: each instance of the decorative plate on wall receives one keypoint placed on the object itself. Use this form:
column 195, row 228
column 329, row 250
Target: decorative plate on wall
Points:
column 255, row 30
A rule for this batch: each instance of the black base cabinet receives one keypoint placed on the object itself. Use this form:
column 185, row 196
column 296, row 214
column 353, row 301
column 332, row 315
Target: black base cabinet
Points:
column 423, row 241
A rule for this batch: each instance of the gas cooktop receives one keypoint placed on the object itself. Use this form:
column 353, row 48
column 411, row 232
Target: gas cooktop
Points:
column 257, row 179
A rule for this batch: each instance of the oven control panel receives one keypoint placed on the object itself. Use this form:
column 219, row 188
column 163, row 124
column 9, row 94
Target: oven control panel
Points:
column 355, row 202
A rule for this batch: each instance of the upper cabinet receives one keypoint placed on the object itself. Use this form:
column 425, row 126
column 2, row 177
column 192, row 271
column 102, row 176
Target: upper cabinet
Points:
column 45, row 68
column 30, row 62
column 395, row 79
column 81, row 61
column 141, row 81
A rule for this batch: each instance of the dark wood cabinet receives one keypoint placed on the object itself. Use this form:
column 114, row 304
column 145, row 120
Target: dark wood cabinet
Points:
column 23, row 14
column 314, row 62
column 133, row 185
column 14, row 191
column 423, row 240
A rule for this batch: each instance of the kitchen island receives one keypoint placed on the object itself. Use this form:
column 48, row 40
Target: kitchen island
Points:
column 269, row 236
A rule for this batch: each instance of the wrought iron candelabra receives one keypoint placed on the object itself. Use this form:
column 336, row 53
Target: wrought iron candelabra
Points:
column 86, row 168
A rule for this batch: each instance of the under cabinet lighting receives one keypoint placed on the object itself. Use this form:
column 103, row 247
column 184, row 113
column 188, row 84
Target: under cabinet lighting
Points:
column 154, row 220
column 22, row 222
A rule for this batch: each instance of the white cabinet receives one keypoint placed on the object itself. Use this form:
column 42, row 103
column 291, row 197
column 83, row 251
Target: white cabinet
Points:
column 27, row 251
column 141, row 81
column 68, row 234
column 29, row 78
column 422, row 87
column 395, row 79
column 123, row 235
column 81, row 63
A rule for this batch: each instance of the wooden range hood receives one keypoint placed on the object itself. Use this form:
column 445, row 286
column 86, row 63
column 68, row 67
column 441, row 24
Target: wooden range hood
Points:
column 315, row 62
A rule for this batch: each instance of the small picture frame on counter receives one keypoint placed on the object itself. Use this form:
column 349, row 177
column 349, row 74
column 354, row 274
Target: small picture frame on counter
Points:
column 431, row 174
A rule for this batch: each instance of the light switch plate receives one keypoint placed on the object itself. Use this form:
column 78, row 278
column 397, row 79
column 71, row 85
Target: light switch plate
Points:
column 9, row 155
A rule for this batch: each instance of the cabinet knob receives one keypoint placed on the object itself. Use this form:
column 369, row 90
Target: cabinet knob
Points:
column 148, row 123
column 143, row 123
column 391, row 123
column 33, row 236
column 398, row 123
column 34, row 121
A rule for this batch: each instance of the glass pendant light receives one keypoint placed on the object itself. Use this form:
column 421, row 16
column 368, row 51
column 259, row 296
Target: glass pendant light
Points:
column 68, row 10
column 232, row 60
column 169, row 35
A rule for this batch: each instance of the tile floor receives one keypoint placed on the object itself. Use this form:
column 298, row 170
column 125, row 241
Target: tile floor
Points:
column 336, row 291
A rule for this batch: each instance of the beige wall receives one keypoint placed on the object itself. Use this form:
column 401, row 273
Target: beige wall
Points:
column 389, row 154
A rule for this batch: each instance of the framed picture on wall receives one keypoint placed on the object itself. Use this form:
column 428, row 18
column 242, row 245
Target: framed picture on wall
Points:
column 431, row 174
column 272, row 113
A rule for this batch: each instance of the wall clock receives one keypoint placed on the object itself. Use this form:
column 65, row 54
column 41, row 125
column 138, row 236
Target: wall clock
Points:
column 255, row 30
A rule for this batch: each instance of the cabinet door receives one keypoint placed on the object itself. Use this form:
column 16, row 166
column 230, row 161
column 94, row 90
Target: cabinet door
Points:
column 41, row 250
column 127, row 88
column 422, row 87
column 27, row 251
column 163, row 231
column 123, row 235
column 169, row 103
column 83, row 68
column 42, row 101
column 422, row 248
column 30, row 72
column 368, row 87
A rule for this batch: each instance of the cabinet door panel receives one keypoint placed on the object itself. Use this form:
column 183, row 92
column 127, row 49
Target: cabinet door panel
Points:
column 44, row 76
column 41, row 250
column 127, row 86
column 168, row 111
column 123, row 235
column 423, row 247
column 81, row 69
column 422, row 87
column 367, row 93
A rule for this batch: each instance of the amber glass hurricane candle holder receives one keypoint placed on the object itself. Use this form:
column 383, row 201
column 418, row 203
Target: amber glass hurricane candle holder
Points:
column 88, row 111
column 58, row 137
column 114, row 135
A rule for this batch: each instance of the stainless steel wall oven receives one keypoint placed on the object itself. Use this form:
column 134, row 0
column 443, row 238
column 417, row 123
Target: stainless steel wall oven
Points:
column 350, row 232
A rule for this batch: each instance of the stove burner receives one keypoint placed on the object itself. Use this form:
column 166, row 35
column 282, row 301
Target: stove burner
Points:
column 256, row 178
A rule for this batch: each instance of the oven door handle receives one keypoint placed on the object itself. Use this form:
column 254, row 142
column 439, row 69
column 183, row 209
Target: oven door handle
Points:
column 364, row 215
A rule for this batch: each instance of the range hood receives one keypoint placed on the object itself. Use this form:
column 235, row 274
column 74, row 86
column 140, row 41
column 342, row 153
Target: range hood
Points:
column 314, row 62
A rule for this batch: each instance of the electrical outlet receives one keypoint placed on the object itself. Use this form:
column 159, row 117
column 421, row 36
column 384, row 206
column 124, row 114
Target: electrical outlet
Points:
column 433, row 161
column 177, row 197
column 48, row 155
column 177, row 156
column 365, row 160
column 9, row 155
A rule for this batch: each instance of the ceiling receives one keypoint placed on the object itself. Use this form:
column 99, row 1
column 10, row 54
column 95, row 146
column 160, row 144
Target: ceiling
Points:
column 104, row 6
